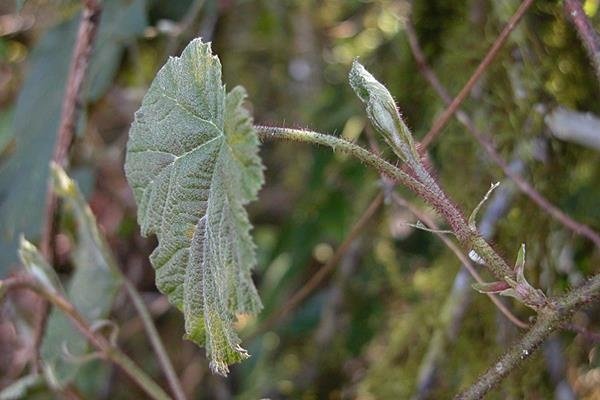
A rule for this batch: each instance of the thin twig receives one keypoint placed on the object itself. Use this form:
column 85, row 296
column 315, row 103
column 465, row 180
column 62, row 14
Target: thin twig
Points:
column 155, row 341
column 184, row 27
column 547, row 322
column 108, row 350
column 488, row 145
column 485, row 63
column 88, row 28
column 593, row 337
column 589, row 37
column 430, row 223
column 552, row 312
column 317, row 278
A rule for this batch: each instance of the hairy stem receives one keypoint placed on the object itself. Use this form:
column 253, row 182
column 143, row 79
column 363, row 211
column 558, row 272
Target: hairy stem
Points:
column 423, row 185
column 97, row 340
column 551, row 312
column 488, row 145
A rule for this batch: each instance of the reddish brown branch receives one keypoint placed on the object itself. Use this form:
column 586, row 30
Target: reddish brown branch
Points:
column 430, row 223
column 106, row 348
column 71, row 106
column 485, row 63
column 546, row 323
column 488, row 145
column 589, row 37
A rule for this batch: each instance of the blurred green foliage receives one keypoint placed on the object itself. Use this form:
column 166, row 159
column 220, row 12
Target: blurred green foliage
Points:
column 293, row 57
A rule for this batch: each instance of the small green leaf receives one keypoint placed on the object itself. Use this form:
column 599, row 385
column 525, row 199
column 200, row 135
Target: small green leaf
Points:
column 520, row 265
column 491, row 287
column 38, row 268
column 520, row 288
column 192, row 161
column 473, row 217
column 419, row 225
column 383, row 113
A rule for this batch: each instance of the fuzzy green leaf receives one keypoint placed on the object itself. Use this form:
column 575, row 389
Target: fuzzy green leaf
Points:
column 192, row 161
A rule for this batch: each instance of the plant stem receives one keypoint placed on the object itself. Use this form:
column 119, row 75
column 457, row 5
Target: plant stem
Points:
column 100, row 342
column 317, row 278
column 71, row 104
column 155, row 340
column 485, row 63
column 552, row 312
column 490, row 148
column 589, row 37
column 460, row 255
column 424, row 186
column 86, row 35
column 548, row 321
column 337, row 144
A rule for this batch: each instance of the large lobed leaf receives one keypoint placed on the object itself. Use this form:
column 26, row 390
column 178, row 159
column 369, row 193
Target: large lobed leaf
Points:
column 192, row 161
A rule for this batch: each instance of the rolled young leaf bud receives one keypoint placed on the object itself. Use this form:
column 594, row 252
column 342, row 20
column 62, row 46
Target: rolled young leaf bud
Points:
column 383, row 113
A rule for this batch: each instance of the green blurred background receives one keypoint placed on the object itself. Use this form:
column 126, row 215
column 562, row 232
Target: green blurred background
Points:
column 366, row 331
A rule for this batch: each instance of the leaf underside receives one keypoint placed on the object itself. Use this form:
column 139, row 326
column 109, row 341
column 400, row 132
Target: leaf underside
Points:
column 192, row 161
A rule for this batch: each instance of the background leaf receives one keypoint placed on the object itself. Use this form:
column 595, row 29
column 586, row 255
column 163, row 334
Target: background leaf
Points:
column 6, row 134
column 192, row 163
column 91, row 290
column 29, row 387
column 23, row 177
